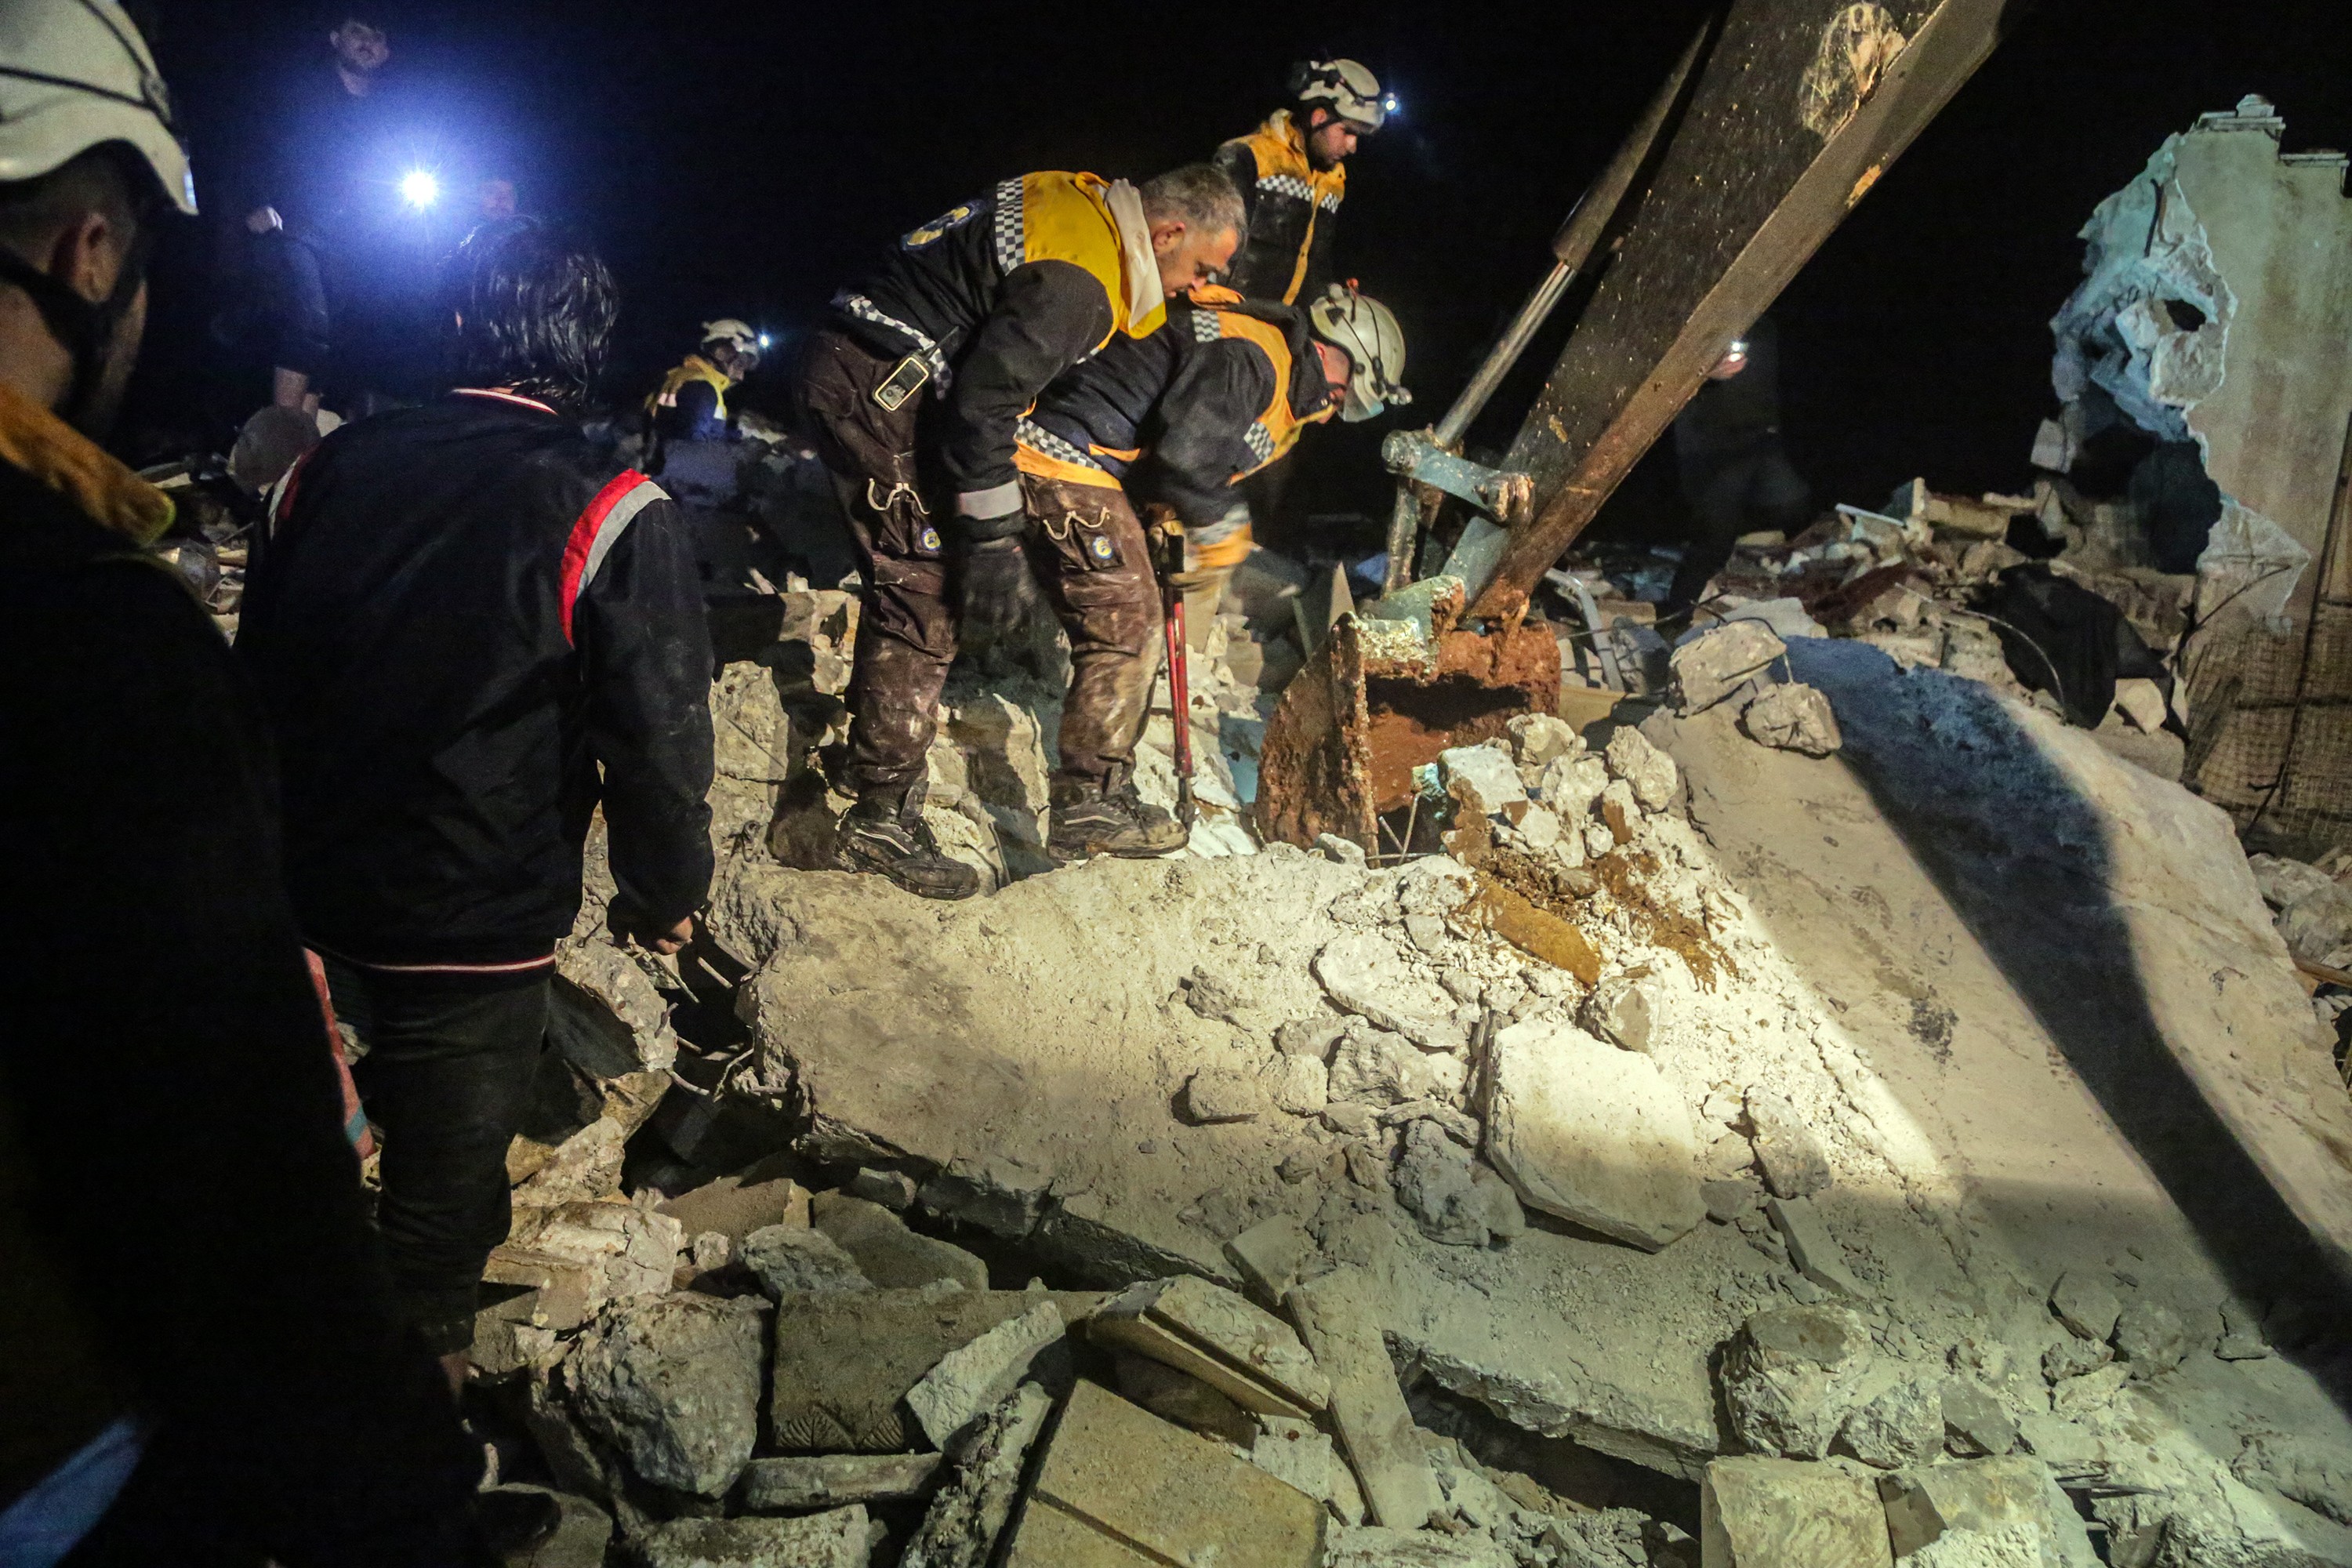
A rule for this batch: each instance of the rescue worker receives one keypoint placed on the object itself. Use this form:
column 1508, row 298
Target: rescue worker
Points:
column 1292, row 175
column 168, row 1092
column 690, row 404
column 472, row 631
column 1735, row 474
column 1172, row 421
column 914, row 391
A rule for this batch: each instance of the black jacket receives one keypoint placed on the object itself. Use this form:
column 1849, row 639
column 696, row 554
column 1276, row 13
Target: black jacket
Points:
column 168, row 1098
column 998, row 296
column 1294, row 213
column 1179, row 415
column 463, row 614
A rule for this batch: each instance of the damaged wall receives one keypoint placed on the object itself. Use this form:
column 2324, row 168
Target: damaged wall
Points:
column 2218, row 311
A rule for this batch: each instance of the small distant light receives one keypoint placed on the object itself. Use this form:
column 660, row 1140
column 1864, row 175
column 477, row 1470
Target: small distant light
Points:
column 419, row 189
column 1391, row 104
column 763, row 339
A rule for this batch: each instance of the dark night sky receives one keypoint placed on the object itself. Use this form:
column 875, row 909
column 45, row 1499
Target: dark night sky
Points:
column 745, row 160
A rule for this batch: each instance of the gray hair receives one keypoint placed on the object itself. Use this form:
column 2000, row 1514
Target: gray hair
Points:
column 1197, row 195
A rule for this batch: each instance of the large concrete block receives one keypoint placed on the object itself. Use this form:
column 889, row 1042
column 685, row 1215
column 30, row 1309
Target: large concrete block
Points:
column 1592, row 1134
column 888, row 1252
column 973, row 1378
column 834, row 1540
column 1781, row 1513
column 1160, row 1494
column 674, row 1382
column 845, row 1361
column 1335, row 1316
column 1791, row 1376
column 1243, row 1352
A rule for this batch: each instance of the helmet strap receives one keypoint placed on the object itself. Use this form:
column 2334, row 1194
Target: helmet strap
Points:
column 84, row 330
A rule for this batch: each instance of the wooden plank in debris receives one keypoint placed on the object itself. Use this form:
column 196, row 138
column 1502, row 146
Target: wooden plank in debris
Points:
column 1335, row 1316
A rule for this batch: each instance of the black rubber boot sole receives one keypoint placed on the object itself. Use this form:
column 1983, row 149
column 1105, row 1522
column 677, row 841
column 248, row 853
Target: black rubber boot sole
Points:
column 925, row 876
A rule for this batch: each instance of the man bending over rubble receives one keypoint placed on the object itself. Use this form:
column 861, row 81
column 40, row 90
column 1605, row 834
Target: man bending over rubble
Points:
column 1173, row 420
column 198, row 1356
column 464, row 616
column 915, row 391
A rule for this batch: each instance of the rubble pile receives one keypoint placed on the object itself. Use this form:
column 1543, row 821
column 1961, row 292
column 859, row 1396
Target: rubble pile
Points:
column 1553, row 1200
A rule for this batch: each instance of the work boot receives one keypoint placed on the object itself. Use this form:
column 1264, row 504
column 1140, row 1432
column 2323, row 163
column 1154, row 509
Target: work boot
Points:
column 885, row 833
column 1088, row 820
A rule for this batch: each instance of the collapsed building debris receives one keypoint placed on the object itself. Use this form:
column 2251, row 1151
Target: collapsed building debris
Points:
column 1719, row 1200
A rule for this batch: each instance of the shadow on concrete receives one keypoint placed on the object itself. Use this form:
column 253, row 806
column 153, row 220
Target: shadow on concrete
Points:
column 2028, row 866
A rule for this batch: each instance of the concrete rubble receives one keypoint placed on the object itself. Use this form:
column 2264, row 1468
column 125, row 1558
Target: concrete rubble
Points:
column 1735, row 1149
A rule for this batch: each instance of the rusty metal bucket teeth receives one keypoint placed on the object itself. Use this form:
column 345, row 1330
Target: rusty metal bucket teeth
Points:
column 1379, row 699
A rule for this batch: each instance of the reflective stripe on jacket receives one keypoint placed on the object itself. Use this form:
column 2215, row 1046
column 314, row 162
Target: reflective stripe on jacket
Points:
column 1294, row 210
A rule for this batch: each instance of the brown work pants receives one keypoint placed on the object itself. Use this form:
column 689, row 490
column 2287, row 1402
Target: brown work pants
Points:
column 1085, row 544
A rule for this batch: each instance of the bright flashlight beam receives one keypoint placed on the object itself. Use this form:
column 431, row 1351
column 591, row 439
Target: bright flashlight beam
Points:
column 419, row 189
column 763, row 339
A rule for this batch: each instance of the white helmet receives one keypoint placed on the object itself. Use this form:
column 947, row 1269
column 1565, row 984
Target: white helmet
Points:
column 1367, row 331
column 74, row 74
column 736, row 334
column 1349, row 87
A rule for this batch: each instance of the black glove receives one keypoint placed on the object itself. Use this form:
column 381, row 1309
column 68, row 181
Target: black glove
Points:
column 992, row 591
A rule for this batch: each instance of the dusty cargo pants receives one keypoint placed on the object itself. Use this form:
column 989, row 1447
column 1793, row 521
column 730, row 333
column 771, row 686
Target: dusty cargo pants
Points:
column 1088, row 548
column 906, row 627
column 1085, row 544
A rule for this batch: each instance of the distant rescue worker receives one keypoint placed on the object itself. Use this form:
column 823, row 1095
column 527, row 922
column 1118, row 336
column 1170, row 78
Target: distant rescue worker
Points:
column 915, row 391
column 690, row 404
column 1292, row 175
column 168, row 1091
column 472, row 631
column 1735, row 475
column 1169, row 421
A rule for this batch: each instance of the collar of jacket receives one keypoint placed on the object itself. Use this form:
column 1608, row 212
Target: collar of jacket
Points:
column 1139, row 266
column 36, row 441
column 1280, row 147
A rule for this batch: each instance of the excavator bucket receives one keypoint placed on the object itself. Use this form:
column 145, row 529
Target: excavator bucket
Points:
column 1792, row 109
column 1380, row 698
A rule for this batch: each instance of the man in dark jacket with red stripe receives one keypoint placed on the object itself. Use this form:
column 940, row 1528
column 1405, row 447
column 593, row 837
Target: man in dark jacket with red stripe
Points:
column 470, row 631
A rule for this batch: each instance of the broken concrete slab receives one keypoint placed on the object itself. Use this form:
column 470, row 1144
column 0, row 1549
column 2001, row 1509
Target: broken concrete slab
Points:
column 1793, row 716
column 1270, row 1255
column 1181, row 1397
column 674, row 1382
column 786, row 1259
column 1812, row 1248
column 836, row 1539
column 1161, row 1493
column 1648, row 771
column 829, row 1481
column 1295, row 1453
column 1975, row 1497
column 1787, row 1148
column 1437, row 1183
column 1621, row 1011
column 1363, row 974
column 1243, row 1352
column 1903, row 1424
column 1224, row 1094
column 1379, row 1067
column 960, row 1528
column 973, row 1378
column 843, row 1363
column 1592, row 1134
column 1975, row 1424
column 583, row 1531
column 2087, row 1304
column 626, row 1249
column 1337, row 1319
column 1781, row 1513
column 1482, row 778
column 887, row 1252
column 1714, row 664
column 736, row 1205
column 1792, row 1374
column 1376, row 1546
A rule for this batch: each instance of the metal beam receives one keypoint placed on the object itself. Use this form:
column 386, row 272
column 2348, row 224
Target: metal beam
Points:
column 1798, row 110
